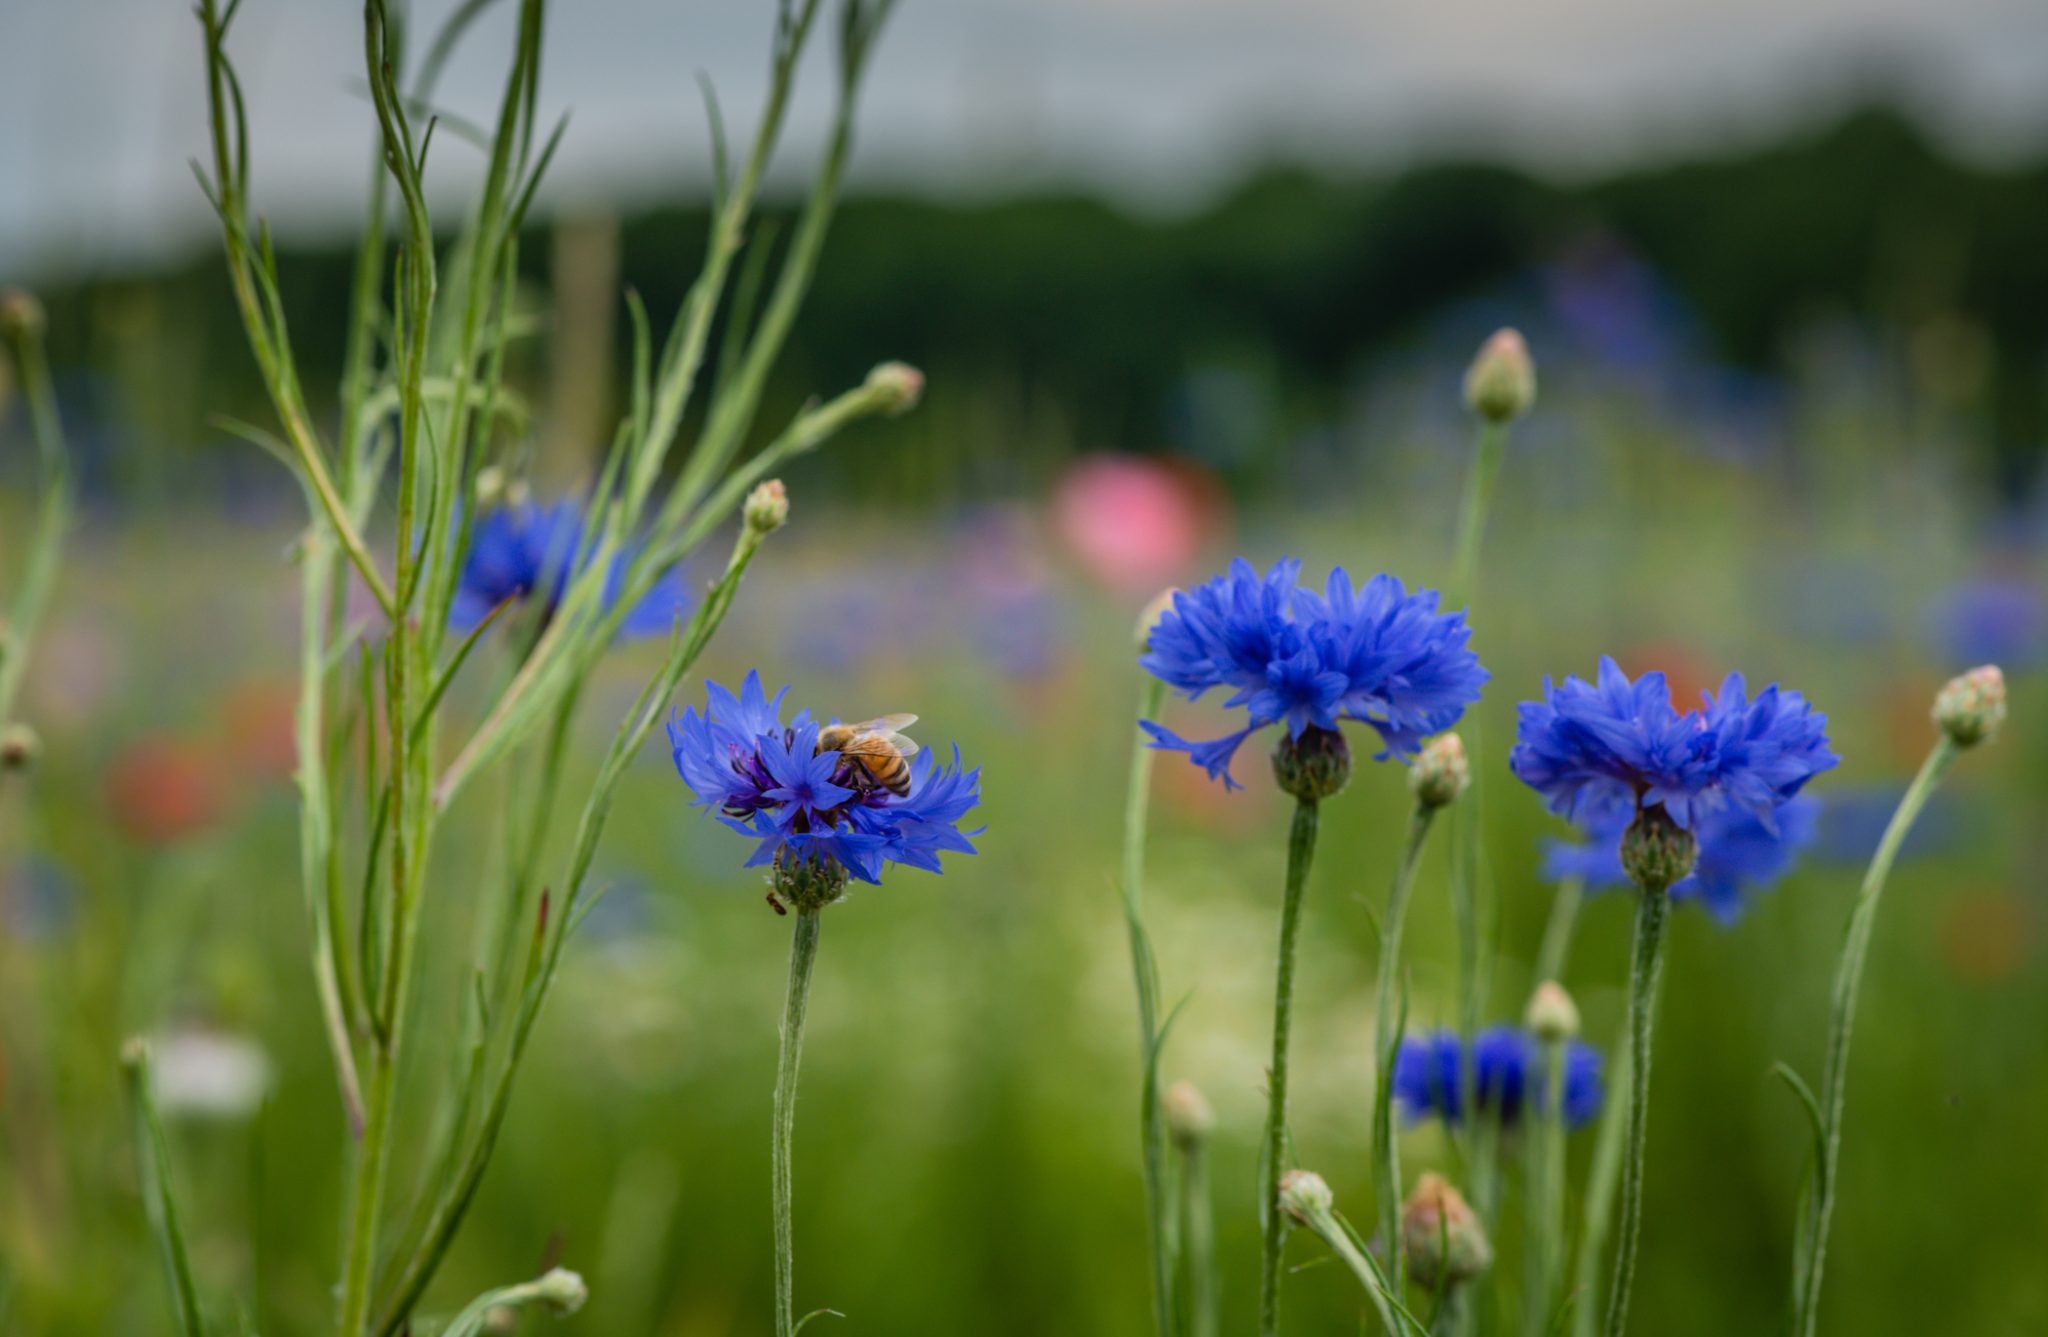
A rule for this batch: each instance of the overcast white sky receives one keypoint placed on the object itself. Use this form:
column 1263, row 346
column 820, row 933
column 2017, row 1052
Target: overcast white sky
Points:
column 1155, row 101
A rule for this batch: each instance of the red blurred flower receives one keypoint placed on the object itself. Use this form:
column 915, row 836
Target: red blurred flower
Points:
column 162, row 789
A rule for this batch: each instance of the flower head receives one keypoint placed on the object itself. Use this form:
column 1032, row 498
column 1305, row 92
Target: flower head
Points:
column 524, row 551
column 812, row 811
column 1502, row 1068
column 1621, row 744
column 1377, row 655
column 1738, row 855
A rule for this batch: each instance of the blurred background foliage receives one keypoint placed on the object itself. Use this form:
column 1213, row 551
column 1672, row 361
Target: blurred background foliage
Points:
column 1792, row 410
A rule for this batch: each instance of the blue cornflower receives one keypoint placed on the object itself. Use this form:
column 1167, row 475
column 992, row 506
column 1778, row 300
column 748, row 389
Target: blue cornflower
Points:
column 526, row 551
column 1377, row 655
column 1738, row 854
column 1504, row 1065
column 1999, row 620
column 1621, row 744
column 806, row 807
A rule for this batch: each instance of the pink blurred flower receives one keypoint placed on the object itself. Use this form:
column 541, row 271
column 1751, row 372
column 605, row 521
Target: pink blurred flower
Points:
column 1133, row 521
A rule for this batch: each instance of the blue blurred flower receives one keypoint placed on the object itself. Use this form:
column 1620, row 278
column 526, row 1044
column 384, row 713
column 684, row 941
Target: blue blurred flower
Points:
column 1994, row 620
column 1505, row 1068
column 1377, row 655
column 769, row 781
column 525, row 551
column 1738, row 854
column 1621, row 744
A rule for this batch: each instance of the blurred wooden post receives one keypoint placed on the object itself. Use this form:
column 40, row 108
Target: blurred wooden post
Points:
column 580, row 338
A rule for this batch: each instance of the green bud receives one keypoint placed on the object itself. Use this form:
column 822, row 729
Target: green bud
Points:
column 562, row 1290
column 1500, row 385
column 1655, row 851
column 1304, row 1196
column 767, row 507
column 1552, row 1016
column 809, row 884
column 21, row 315
column 897, row 386
column 19, row 747
column 1970, row 708
column 1188, row 1116
column 1441, row 773
column 1445, row 1242
column 1313, row 766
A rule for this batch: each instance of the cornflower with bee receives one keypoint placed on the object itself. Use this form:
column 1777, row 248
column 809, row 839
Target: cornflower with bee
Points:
column 826, row 804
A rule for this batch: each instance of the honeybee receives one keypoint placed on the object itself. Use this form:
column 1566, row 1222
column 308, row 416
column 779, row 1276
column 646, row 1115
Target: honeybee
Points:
column 878, row 749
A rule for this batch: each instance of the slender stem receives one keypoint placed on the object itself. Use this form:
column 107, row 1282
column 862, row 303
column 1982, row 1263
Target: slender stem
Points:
column 1842, row 1019
column 1557, row 934
column 1646, row 968
column 1545, row 1149
column 1145, row 976
column 1332, row 1230
column 803, row 954
column 1478, row 499
column 53, row 514
column 1601, row 1181
column 1301, row 844
column 153, row 1157
column 1198, row 1236
column 1386, row 1163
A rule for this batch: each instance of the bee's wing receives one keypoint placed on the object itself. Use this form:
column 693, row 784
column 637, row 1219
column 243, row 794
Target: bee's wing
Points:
column 906, row 747
column 884, row 724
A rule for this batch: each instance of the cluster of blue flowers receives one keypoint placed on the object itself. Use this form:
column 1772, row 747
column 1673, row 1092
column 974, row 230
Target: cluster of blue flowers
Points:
column 1503, row 1070
column 1617, row 744
column 524, row 551
column 1377, row 655
column 1738, row 854
column 768, row 780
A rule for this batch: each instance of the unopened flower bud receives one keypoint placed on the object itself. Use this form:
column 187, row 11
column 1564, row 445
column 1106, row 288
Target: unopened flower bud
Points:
column 1552, row 1016
column 1441, row 772
column 767, row 507
column 808, row 884
column 19, row 747
column 1188, row 1116
column 897, row 386
column 1443, row 1237
column 1304, row 1196
column 490, row 486
column 1148, row 617
column 1313, row 766
column 21, row 315
column 1971, row 707
column 562, row 1290
column 1656, row 851
column 1500, row 385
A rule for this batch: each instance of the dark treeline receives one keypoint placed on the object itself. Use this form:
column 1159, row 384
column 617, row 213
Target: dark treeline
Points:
column 1061, row 299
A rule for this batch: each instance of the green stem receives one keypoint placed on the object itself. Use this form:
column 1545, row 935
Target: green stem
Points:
column 1301, row 844
column 1557, row 934
column 152, row 1154
column 1478, row 499
column 1646, row 968
column 1145, row 975
column 1332, row 1231
column 1601, row 1181
column 1386, row 1163
column 53, row 515
column 1545, row 1150
column 1842, row 1019
column 803, row 955
column 1198, row 1234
